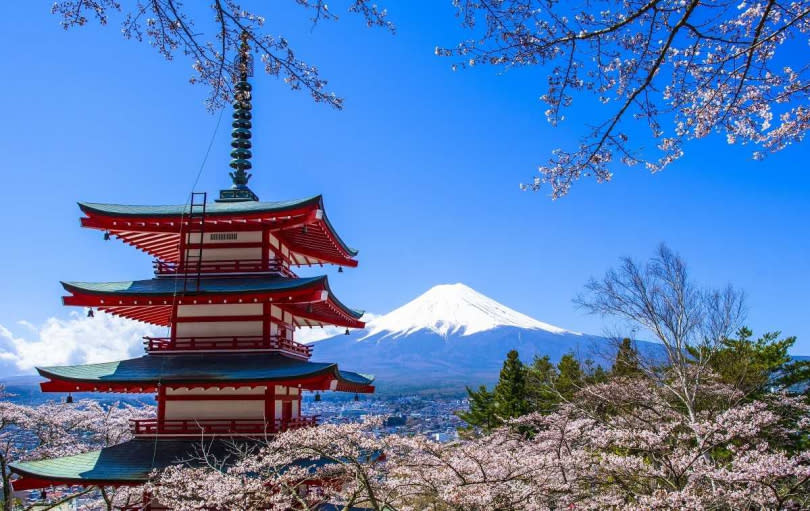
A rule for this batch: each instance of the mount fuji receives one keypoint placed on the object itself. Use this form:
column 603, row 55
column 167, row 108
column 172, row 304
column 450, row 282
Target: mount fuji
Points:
column 449, row 337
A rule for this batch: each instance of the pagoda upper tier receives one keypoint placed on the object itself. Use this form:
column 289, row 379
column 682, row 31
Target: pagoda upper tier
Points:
column 304, row 301
column 295, row 232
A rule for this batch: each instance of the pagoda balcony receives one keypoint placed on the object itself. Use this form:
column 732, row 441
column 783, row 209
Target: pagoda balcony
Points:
column 230, row 266
column 223, row 427
column 159, row 345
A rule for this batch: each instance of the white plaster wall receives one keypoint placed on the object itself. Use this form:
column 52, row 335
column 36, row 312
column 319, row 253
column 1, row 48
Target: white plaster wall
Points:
column 232, row 409
column 226, row 254
column 241, row 309
column 220, row 328
column 226, row 391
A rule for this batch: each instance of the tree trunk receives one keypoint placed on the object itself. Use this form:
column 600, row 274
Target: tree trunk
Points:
column 6, row 484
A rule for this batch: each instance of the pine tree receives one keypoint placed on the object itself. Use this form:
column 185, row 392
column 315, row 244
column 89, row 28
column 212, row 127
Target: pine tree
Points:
column 570, row 378
column 540, row 380
column 626, row 363
column 757, row 367
column 482, row 410
column 510, row 392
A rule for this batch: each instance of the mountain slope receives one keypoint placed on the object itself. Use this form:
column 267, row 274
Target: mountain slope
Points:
column 453, row 309
column 449, row 337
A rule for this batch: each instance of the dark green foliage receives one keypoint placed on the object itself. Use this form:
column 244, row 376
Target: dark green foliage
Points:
column 510, row 392
column 754, row 367
column 626, row 363
column 482, row 409
column 570, row 378
column 540, row 379
column 759, row 366
column 595, row 374
column 508, row 400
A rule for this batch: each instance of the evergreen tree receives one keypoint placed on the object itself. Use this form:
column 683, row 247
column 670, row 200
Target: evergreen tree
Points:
column 626, row 363
column 482, row 410
column 756, row 367
column 510, row 392
column 570, row 377
column 541, row 377
column 596, row 374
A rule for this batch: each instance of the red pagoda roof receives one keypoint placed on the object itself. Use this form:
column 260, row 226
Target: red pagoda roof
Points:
column 156, row 229
column 309, row 299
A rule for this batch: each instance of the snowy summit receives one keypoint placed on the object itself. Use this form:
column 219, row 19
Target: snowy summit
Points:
column 450, row 309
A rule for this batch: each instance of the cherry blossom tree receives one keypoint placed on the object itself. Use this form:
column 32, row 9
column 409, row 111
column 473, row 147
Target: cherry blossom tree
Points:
column 213, row 45
column 298, row 469
column 623, row 444
column 62, row 429
column 681, row 68
column 689, row 321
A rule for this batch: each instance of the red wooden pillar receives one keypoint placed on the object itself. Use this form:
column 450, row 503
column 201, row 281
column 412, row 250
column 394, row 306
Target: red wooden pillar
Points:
column 270, row 406
column 266, row 317
column 266, row 249
column 173, row 323
column 181, row 261
column 161, row 411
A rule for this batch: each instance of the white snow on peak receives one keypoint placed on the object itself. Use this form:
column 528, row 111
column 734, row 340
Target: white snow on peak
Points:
column 452, row 309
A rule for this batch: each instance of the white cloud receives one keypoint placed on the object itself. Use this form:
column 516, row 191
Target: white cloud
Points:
column 76, row 340
column 103, row 338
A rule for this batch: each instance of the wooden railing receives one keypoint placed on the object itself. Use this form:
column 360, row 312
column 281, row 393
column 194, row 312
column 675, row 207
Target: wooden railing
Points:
column 274, row 342
column 225, row 266
column 218, row 426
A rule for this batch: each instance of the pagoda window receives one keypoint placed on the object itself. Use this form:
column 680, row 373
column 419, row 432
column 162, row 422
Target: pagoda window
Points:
column 223, row 236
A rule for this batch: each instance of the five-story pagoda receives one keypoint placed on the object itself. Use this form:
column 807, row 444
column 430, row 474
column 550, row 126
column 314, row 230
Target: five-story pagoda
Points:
column 225, row 288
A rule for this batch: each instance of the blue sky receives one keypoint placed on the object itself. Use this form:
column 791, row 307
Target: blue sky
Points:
column 420, row 172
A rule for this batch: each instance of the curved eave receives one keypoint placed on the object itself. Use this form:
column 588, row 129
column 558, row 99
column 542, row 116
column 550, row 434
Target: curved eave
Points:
column 156, row 229
column 143, row 374
column 246, row 286
column 128, row 463
column 310, row 300
column 215, row 209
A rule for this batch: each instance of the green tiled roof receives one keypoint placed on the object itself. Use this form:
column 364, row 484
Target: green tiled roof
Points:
column 134, row 460
column 131, row 461
column 207, row 285
column 213, row 208
column 165, row 287
column 200, row 368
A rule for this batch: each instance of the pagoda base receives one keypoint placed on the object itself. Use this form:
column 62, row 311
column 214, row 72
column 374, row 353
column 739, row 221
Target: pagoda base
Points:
column 129, row 463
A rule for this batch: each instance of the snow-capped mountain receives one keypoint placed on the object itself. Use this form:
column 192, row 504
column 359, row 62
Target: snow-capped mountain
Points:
column 449, row 337
column 452, row 309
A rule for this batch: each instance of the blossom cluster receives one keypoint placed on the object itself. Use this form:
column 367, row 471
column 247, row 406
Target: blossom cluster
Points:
column 684, row 68
column 624, row 444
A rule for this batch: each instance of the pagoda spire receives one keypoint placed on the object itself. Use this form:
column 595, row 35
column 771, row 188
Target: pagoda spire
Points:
column 241, row 134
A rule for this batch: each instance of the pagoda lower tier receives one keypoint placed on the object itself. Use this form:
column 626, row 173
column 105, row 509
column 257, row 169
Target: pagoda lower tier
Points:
column 212, row 394
column 129, row 463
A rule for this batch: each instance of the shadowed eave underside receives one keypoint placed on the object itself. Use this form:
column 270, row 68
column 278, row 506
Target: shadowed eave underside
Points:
column 156, row 229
